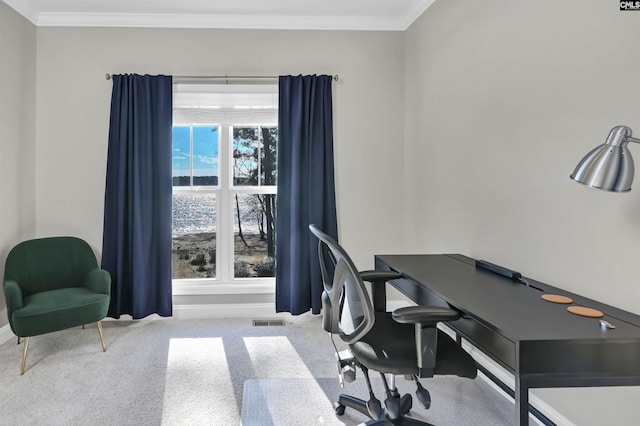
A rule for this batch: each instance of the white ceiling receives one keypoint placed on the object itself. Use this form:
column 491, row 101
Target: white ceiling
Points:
column 386, row 15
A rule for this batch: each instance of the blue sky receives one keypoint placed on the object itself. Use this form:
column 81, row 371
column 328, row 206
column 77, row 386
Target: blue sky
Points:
column 205, row 151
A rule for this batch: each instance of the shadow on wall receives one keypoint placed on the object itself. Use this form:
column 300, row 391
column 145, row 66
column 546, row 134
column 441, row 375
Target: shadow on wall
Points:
column 4, row 252
column 3, row 304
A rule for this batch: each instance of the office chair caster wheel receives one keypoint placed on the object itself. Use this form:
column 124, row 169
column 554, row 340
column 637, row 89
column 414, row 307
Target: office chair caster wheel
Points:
column 406, row 403
column 398, row 406
column 423, row 396
column 338, row 408
column 374, row 407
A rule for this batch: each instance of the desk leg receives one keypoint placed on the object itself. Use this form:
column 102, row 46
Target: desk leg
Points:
column 522, row 402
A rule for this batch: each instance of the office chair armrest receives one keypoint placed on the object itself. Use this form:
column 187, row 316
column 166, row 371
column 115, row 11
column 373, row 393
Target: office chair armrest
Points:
column 378, row 280
column 425, row 319
column 427, row 316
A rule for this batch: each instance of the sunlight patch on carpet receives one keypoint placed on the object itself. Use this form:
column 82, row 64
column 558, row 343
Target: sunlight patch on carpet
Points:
column 286, row 402
column 278, row 353
column 197, row 383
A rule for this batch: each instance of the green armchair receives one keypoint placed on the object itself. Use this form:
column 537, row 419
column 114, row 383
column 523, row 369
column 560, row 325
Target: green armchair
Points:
column 52, row 284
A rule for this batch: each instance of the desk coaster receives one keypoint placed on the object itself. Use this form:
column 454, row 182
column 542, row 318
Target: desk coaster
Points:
column 556, row 298
column 585, row 312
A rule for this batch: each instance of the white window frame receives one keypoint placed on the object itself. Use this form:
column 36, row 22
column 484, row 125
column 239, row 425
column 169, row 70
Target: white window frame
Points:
column 225, row 119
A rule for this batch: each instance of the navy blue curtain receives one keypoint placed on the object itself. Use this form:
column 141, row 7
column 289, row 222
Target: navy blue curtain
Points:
column 136, row 246
column 306, row 189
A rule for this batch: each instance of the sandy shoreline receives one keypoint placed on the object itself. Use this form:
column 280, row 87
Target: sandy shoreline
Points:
column 194, row 256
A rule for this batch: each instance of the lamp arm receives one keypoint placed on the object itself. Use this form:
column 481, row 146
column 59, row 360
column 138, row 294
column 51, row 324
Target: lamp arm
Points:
column 630, row 139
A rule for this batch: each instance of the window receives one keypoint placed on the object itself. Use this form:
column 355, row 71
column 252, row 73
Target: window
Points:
column 195, row 187
column 254, row 183
column 224, row 183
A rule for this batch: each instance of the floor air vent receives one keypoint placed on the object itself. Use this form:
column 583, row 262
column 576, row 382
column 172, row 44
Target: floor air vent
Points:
column 267, row 323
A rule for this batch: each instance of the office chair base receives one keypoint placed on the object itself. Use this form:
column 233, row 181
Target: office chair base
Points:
column 351, row 402
column 403, row 421
column 360, row 405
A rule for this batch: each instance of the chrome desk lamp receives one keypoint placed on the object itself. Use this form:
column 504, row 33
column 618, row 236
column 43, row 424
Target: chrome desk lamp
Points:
column 610, row 165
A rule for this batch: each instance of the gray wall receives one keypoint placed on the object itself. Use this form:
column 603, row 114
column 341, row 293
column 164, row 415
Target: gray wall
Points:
column 368, row 111
column 502, row 98
column 17, row 133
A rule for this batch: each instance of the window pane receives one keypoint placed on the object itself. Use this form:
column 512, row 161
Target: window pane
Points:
column 181, row 157
column 245, row 155
column 254, row 231
column 270, row 141
column 194, row 235
column 205, row 155
column 254, row 155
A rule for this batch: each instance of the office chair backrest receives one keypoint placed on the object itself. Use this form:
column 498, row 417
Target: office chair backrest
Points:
column 346, row 305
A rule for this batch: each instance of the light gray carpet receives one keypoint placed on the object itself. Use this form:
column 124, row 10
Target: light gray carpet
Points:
column 188, row 372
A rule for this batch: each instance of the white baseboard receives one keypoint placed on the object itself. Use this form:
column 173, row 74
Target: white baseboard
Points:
column 239, row 310
column 213, row 311
column 234, row 310
column 6, row 334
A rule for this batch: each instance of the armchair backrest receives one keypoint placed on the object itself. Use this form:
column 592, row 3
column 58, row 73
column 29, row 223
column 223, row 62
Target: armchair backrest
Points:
column 346, row 304
column 49, row 264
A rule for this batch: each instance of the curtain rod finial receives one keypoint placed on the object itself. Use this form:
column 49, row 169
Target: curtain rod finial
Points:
column 108, row 76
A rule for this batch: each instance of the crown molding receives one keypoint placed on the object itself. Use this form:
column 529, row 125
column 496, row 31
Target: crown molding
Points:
column 414, row 12
column 276, row 22
column 23, row 9
column 229, row 21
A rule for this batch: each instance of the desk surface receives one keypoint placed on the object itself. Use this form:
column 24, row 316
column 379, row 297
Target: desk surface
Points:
column 513, row 309
column 512, row 324
column 540, row 342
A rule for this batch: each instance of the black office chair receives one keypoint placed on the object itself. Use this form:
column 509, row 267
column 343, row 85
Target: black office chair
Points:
column 405, row 342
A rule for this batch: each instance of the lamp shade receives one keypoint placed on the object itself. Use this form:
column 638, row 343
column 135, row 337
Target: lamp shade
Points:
column 608, row 166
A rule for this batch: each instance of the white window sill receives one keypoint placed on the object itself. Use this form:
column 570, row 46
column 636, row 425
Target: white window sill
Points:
column 209, row 286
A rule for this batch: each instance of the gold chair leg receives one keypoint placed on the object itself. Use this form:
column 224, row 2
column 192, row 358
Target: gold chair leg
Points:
column 24, row 354
column 104, row 348
column 18, row 339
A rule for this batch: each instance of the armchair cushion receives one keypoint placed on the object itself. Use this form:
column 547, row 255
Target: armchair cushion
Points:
column 54, row 310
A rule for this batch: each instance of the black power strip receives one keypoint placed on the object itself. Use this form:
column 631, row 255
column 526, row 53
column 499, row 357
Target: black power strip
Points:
column 505, row 272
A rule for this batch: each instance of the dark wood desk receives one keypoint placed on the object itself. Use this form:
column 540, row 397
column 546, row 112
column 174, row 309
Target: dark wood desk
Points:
column 540, row 343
